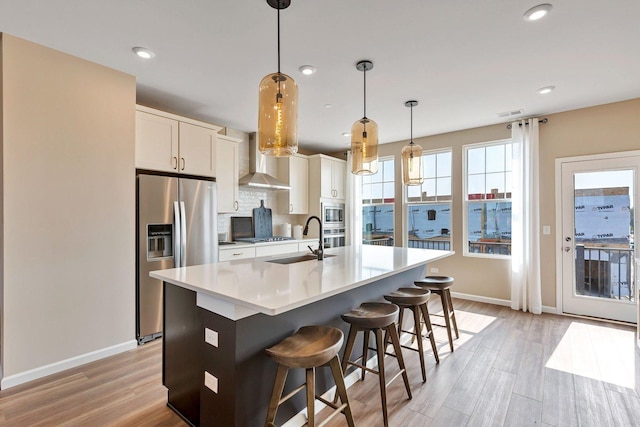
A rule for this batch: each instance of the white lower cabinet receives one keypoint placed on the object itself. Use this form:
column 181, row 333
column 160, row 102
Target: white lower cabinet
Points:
column 229, row 254
column 286, row 248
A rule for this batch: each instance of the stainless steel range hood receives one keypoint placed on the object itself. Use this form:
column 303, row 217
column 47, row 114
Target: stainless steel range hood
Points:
column 257, row 176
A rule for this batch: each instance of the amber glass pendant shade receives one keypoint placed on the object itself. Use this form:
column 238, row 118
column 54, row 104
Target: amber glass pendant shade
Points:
column 278, row 115
column 278, row 107
column 364, row 135
column 364, row 147
column 412, row 171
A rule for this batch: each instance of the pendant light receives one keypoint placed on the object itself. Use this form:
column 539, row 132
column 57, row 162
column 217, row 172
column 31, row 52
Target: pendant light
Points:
column 364, row 135
column 278, row 107
column 412, row 157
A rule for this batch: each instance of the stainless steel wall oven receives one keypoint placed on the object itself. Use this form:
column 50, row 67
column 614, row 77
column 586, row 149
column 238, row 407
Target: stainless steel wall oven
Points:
column 333, row 224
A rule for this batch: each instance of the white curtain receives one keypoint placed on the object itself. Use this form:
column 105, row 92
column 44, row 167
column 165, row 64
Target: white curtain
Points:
column 525, row 218
column 353, row 206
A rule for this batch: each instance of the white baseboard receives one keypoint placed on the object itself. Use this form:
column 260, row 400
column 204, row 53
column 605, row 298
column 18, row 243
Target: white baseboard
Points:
column 496, row 301
column 43, row 371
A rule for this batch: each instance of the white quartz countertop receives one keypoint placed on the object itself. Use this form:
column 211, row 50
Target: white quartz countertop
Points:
column 265, row 287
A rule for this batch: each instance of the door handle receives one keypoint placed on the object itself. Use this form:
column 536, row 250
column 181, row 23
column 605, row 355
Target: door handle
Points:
column 236, row 205
column 177, row 235
column 291, row 207
column 567, row 248
column 184, row 163
column 174, row 161
column 183, row 242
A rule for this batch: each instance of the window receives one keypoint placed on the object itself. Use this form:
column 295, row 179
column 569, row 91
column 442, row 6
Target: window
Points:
column 488, row 198
column 378, row 197
column 428, row 205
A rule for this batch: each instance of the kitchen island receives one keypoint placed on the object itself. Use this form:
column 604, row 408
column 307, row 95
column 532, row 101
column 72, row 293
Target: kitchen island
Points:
column 219, row 318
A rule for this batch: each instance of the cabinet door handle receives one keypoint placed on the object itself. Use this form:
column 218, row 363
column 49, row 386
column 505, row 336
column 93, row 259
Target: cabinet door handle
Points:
column 174, row 161
column 236, row 205
column 291, row 207
column 184, row 163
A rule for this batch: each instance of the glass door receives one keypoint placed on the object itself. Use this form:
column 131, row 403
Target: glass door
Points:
column 598, row 222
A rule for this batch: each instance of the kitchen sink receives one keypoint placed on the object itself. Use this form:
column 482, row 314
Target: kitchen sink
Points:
column 299, row 258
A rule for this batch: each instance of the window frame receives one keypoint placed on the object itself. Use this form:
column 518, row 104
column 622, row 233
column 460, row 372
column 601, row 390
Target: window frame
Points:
column 392, row 159
column 406, row 203
column 466, row 202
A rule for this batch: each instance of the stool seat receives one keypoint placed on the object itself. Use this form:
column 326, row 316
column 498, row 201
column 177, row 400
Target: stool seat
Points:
column 408, row 297
column 435, row 282
column 372, row 315
column 310, row 347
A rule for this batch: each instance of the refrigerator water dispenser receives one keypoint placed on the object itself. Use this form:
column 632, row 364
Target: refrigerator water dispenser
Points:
column 159, row 241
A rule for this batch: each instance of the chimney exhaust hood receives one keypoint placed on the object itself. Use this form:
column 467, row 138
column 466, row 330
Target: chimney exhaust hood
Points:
column 257, row 176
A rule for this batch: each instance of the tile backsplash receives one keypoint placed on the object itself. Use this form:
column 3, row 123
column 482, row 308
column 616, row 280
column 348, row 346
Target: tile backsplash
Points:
column 250, row 198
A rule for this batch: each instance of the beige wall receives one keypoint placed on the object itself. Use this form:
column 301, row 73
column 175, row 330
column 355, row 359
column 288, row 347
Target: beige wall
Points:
column 601, row 129
column 68, row 277
column 606, row 128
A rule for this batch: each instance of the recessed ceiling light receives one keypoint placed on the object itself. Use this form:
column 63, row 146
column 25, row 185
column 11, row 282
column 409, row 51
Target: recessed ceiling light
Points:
column 345, row 134
column 545, row 90
column 143, row 52
column 307, row 70
column 328, row 106
column 537, row 12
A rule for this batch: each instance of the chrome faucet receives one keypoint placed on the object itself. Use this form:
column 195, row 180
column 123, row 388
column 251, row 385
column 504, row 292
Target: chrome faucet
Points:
column 319, row 252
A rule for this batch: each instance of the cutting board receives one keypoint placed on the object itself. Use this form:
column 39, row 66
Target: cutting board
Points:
column 262, row 221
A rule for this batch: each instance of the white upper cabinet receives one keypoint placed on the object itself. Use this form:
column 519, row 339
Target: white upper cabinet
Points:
column 156, row 142
column 227, row 169
column 329, row 173
column 170, row 143
column 339, row 175
column 294, row 171
column 197, row 150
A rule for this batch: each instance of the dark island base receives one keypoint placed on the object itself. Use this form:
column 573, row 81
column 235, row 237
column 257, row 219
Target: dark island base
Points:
column 245, row 373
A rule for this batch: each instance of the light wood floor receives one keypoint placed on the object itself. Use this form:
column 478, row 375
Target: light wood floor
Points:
column 509, row 368
column 122, row 390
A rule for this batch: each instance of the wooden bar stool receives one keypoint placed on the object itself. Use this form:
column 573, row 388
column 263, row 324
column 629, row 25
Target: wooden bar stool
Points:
column 309, row 348
column 440, row 285
column 375, row 317
column 415, row 299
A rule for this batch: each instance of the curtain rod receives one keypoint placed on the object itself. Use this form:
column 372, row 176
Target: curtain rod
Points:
column 545, row 120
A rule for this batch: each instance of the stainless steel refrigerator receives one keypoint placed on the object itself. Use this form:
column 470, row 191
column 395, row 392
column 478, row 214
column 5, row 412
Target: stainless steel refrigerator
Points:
column 176, row 227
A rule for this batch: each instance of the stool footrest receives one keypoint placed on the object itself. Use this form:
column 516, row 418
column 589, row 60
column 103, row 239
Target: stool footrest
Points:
column 291, row 394
column 425, row 336
column 366, row 368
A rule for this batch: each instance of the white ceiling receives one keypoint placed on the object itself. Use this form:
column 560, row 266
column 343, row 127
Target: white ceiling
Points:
column 464, row 61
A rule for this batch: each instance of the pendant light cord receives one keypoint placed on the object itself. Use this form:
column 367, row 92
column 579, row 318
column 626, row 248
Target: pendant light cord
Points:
column 278, row 40
column 411, row 142
column 365, row 92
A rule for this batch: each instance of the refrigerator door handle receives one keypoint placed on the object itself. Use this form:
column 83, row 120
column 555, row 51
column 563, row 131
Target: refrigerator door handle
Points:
column 177, row 232
column 183, row 242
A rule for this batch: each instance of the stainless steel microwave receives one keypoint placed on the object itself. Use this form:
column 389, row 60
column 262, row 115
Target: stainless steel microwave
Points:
column 333, row 215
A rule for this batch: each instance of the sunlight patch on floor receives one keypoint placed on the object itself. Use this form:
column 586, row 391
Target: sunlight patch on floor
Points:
column 602, row 353
column 473, row 322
